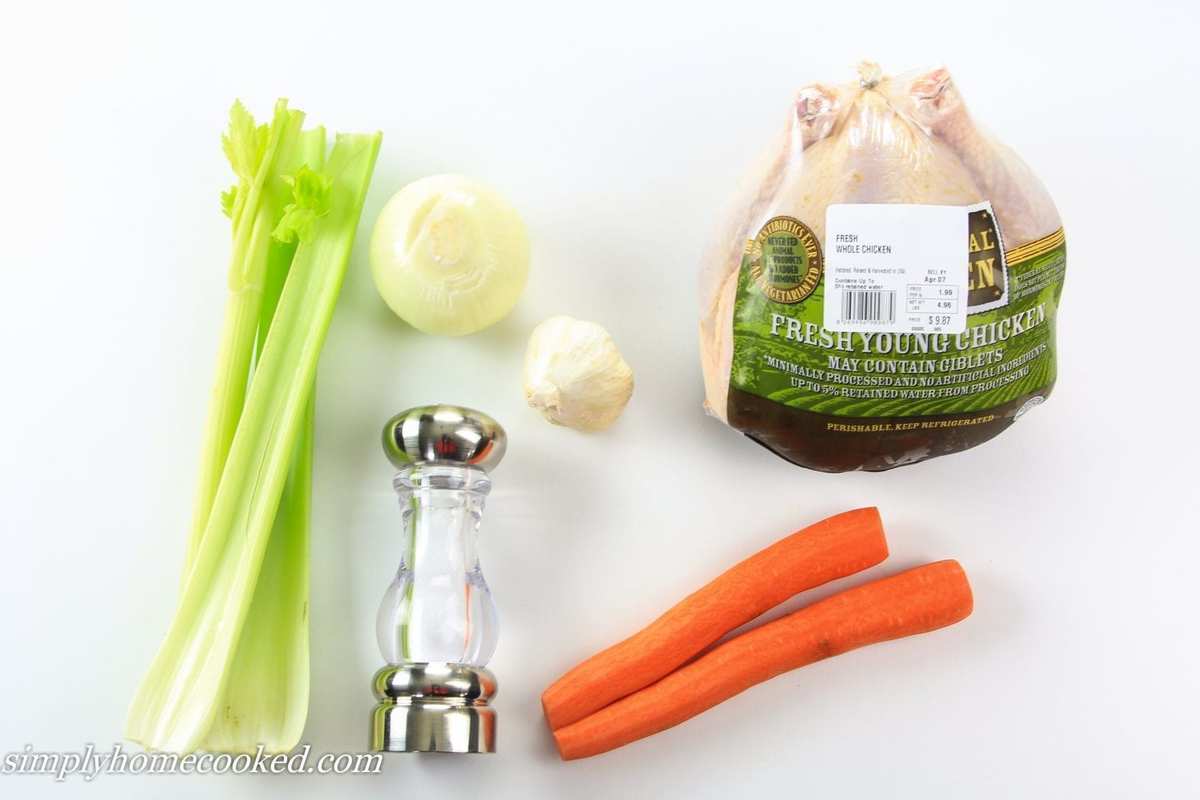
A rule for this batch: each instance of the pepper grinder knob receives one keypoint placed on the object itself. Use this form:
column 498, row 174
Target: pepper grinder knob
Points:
column 444, row 434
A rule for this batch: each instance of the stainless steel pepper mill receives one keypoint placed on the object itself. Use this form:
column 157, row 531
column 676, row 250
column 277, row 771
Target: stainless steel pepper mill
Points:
column 437, row 623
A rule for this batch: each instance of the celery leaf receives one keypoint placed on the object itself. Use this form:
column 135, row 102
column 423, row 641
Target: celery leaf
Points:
column 244, row 142
column 310, row 200
column 229, row 199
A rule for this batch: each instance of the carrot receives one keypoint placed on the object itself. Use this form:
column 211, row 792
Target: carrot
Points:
column 916, row 601
column 830, row 549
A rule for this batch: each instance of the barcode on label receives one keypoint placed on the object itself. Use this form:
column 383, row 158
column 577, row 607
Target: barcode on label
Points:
column 869, row 305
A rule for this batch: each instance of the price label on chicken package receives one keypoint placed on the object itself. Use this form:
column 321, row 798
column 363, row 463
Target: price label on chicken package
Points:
column 896, row 268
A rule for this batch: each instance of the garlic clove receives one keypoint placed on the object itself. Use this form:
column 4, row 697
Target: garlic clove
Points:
column 575, row 375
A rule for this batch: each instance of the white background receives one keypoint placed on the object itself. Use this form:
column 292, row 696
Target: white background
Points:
column 618, row 131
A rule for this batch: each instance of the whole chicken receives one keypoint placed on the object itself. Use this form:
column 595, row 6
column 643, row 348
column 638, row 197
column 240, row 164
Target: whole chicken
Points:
column 880, row 140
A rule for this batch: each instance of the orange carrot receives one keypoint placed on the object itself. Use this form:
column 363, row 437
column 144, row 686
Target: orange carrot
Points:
column 916, row 601
column 830, row 549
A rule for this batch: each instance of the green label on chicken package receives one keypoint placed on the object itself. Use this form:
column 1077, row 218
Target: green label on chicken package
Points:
column 782, row 352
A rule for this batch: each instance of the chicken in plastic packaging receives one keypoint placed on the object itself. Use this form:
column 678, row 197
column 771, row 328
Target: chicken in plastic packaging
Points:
column 886, row 288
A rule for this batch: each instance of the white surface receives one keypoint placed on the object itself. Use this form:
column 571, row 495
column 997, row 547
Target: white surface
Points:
column 619, row 131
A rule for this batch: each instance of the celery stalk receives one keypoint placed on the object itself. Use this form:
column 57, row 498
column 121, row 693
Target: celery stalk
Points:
column 266, row 695
column 179, row 699
column 308, row 152
column 255, row 205
column 265, row 700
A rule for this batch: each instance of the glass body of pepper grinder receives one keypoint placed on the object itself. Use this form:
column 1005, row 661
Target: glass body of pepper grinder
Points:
column 437, row 624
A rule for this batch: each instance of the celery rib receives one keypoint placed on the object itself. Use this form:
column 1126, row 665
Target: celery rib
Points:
column 260, row 203
column 265, row 700
column 177, row 702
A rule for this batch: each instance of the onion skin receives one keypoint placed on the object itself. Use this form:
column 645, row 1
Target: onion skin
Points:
column 449, row 255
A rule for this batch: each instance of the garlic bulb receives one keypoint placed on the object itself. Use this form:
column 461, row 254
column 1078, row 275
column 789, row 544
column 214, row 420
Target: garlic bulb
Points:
column 574, row 374
column 449, row 255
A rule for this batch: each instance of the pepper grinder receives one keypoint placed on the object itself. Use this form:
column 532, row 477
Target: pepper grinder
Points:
column 437, row 623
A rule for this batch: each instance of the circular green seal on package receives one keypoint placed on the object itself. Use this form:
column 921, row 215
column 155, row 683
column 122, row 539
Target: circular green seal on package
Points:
column 785, row 260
